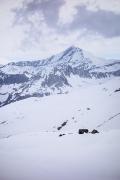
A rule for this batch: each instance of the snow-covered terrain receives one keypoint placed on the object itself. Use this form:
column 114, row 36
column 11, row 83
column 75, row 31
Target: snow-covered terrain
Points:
column 30, row 146
column 84, row 107
column 45, row 103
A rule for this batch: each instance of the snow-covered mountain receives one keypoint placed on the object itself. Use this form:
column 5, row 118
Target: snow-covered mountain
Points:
column 55, row 75
column 39, row 137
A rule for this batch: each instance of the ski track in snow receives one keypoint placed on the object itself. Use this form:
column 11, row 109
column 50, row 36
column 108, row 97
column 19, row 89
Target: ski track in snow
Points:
column 108, row 120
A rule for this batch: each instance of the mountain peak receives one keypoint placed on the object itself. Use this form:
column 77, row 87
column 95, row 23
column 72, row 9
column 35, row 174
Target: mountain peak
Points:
column 75, row 48
column 72, row 54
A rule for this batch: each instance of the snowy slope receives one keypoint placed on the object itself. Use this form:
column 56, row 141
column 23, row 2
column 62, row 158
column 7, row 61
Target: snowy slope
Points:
column 30, row 146
column 48, row 113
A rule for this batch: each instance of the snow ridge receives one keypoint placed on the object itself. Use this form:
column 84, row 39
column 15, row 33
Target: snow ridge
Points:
column 54, row 75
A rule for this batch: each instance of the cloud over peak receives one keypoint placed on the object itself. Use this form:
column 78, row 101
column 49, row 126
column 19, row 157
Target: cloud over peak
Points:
column 39, row 28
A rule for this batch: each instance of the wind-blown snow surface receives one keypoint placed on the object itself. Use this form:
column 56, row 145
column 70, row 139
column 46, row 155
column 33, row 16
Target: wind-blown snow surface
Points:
column 30, row 146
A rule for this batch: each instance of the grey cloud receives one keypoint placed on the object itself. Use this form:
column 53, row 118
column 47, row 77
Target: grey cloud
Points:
column 33, row 33
column 49, row 8
column 102, row 22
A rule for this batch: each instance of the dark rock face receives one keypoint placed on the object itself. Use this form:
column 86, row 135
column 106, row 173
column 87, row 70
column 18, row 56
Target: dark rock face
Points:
column 57, row 81
column 82, row 131
column 7, row 79
column 59, row 128
column 88, row 108
column 94, row 131
column 3, row 122
column 60, row 135
column 62, row 125
column 117, row 90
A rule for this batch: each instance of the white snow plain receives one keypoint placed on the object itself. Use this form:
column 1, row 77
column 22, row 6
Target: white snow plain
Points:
column 30, row 146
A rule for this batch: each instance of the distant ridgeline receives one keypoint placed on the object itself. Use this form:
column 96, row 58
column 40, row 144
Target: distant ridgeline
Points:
column 20, row 80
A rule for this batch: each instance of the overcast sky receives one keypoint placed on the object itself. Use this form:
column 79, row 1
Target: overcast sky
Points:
column 35, row 29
